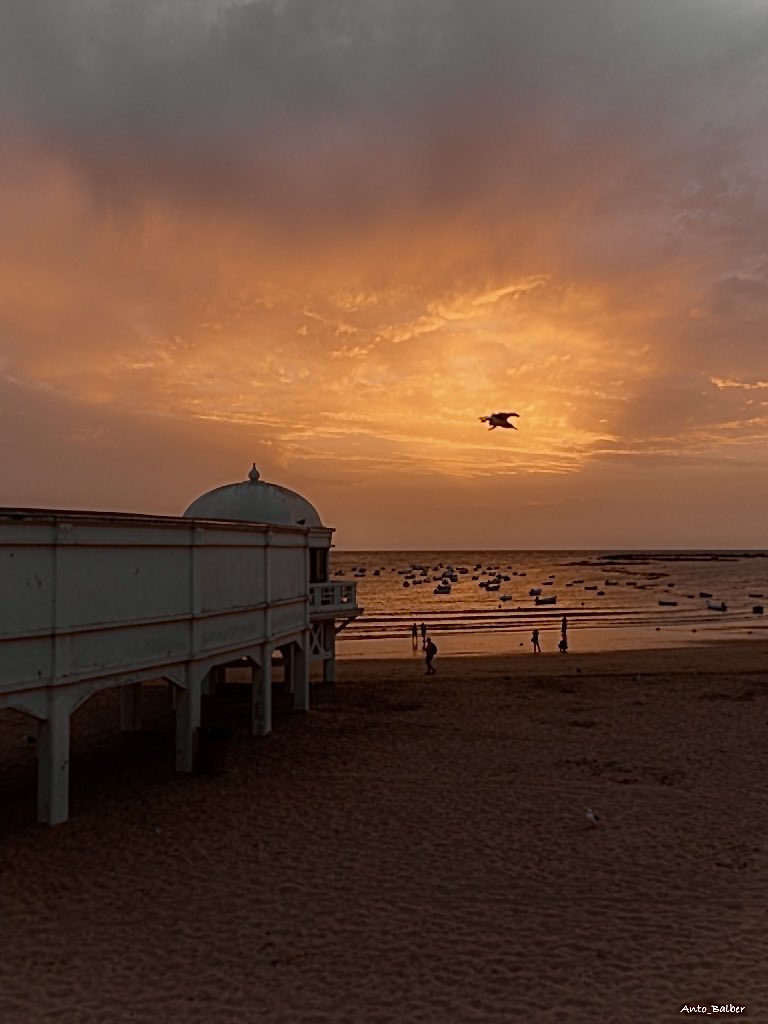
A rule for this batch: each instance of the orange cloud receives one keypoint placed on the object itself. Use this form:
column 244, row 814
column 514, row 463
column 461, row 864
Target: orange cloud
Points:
column 245, row 222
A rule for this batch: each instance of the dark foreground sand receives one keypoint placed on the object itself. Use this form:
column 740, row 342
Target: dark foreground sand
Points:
column 412, row 850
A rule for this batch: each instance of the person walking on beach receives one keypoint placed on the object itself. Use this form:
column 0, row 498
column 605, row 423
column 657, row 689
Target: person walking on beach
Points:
column 431, row 650
column 414, row 635
column 424, row 636
column 535, row 642
column 563, row 645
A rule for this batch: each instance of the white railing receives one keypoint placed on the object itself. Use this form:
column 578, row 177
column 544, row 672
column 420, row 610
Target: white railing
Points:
column 332, row 597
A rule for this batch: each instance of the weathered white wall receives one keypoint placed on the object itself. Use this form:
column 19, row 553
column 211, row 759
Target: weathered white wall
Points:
column 89, row 595
column 92, row 600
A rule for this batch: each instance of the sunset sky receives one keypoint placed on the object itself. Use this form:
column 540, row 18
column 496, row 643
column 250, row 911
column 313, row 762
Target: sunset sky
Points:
column 327, row 235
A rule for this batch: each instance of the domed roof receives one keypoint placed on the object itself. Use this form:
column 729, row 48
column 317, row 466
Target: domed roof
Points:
column 255, row 501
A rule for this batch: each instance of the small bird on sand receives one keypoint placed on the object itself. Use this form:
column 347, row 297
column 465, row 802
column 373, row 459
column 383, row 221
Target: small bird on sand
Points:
column 592, row 818
column 499, row 419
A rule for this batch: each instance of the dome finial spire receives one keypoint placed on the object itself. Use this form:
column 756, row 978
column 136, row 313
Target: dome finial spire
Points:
column 254, row 474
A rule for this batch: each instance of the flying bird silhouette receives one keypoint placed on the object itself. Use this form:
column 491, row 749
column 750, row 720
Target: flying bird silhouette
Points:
column 499, row 419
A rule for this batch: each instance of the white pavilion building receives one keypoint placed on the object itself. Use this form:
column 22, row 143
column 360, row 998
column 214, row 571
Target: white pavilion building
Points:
column 91, row 600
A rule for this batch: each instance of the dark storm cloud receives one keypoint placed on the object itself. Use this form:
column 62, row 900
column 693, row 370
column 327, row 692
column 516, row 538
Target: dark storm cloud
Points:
column 369, row 104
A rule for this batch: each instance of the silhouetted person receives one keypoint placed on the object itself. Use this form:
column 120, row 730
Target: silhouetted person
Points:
column 414, row 635
column 535, row 642
column 431, row 650
column 564, row 627
column 424, row 635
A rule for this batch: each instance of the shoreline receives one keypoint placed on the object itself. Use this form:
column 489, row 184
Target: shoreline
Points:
column 704, row 658
column 584, row 640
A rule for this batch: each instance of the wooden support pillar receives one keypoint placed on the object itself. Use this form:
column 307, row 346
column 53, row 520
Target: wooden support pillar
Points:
column 261, row 694
column 187, row 720
column 130, row 707
column 300, row 667
column 53, row 763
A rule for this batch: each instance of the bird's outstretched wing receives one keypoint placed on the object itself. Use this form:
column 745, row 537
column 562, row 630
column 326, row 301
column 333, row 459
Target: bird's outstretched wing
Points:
column 508, row 414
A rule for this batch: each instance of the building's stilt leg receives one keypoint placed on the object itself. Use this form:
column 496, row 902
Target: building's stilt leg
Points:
column 300, row 664
column 187, row 721
column 289, row 667
column 53, row 765
column 329, row 663
column 213, row 679
column 130, row 707
column 261, row 695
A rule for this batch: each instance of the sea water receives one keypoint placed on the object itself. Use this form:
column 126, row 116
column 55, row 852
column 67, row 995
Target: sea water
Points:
column 612, row 600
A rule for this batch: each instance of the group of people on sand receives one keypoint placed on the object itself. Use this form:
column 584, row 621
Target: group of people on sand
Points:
column 427, row 645
column 562, row 645
column 430, row 649
column 415, row 630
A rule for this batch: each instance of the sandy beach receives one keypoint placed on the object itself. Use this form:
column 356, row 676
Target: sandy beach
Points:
column 412, row 850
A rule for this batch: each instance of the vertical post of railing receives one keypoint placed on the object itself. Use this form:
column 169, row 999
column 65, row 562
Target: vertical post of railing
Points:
column 331, row 596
